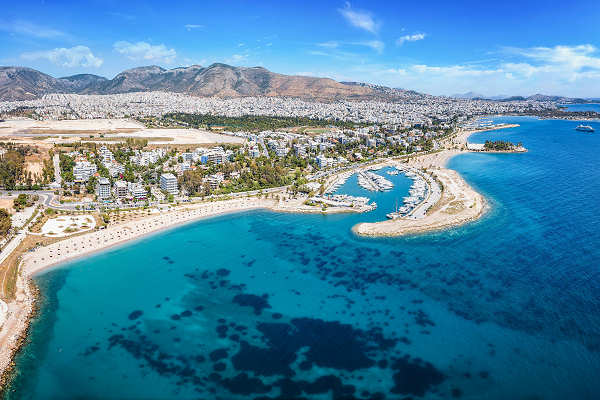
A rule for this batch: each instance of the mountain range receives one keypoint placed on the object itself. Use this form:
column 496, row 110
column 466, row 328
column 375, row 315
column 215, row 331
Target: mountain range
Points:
column 221, row 80
column 535, row 97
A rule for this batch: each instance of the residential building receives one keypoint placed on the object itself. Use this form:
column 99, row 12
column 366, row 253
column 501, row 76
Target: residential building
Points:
column 103, row 189
column 121, row 189
column 215, row 180
column 138, row 191
column 168, row 182
column 83, row 170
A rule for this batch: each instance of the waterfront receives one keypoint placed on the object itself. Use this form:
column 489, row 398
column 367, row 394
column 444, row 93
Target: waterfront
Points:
column 502, row 308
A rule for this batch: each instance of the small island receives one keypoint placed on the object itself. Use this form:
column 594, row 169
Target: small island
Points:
column 497, row 146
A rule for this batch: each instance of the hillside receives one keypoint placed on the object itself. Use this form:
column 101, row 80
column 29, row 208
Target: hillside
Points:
column 221, row 80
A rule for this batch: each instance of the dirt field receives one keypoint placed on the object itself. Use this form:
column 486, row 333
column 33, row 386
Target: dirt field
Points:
column 7, row 204
column 111, row 130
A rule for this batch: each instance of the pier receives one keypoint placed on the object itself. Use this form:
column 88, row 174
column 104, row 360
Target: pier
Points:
column 424, row 193
column 373, row 182
column 338, row 181
column 344, row 200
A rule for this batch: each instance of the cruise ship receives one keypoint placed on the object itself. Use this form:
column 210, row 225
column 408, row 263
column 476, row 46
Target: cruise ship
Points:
column 584, row 128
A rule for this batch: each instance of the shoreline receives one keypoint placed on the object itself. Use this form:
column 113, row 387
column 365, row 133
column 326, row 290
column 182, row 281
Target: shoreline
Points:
column 14, row 331
column 459, row 204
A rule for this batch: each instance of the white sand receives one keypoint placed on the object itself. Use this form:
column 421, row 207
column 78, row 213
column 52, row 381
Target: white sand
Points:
column 59, row 227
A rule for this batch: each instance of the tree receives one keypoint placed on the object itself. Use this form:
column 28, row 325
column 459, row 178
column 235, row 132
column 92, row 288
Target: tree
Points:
column 11, row 169
column 192, row 181
column 5, row 222
column 91, row 184
column 20, row 202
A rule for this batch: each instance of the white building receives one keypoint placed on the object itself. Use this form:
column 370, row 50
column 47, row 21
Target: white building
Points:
column 83, row 170
column 168, row 182
column 114, row 168
column 323, row 162
column 106, row 155
column 121, row 189
column 216, row 156
column 103, row 188
column 215, row 180
column 138, row 191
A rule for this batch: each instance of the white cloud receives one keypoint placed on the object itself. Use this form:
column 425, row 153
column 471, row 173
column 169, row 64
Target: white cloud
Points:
column 145, row 51
column 452, row 71
column 78, row 56
column 236, row 59
column 332, row 44
column 359, row 19
column 410, row 38
column 30, row 29
column 319, row 53
column 574, row 58
column 189, row 27
column 560, row 70
column 376, row 45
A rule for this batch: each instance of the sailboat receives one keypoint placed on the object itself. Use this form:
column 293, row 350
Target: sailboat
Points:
column 395, row 214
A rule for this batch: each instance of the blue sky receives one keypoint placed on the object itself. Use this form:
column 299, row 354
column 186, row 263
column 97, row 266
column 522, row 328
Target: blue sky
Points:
column 511, row 47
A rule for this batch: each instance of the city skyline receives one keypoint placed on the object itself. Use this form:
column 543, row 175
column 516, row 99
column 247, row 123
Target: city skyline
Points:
column 433, row 49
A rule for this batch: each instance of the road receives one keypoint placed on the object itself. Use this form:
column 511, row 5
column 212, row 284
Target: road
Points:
column 56, row 161
column 12, row 245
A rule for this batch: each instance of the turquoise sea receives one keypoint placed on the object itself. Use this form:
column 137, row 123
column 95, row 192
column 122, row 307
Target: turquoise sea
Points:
column 268, row 305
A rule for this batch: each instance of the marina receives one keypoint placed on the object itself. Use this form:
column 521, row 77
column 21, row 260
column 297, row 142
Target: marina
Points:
column 344, row 200
column 338, row 181
column 373, row 182
column 423, row 194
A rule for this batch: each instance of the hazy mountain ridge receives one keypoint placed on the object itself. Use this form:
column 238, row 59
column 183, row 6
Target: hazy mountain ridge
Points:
column 221, row 80
column 535, row 97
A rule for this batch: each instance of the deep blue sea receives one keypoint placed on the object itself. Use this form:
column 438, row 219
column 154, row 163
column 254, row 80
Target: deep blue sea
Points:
column 272, row 305
column 583, row 107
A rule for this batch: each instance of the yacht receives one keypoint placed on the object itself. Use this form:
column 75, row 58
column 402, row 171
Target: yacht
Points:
column 584, row 128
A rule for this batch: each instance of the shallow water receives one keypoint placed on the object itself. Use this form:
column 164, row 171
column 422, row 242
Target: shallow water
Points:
column 267, row 305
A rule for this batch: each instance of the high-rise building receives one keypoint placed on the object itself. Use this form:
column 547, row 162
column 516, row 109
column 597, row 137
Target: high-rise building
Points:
column 103, row 188
column 168, row 182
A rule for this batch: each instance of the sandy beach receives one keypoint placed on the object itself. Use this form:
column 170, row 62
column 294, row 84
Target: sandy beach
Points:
column 14, row 329
column 458, row 204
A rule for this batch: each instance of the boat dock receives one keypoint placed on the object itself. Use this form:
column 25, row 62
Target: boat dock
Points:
column 344, row 200
column 338, row 181
column 423, row 194
column 373, row 182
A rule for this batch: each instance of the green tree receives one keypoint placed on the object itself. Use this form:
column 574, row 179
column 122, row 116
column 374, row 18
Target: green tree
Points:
column 91, row 184
column 5, row 222
column 11, row 169
column 20, row 202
